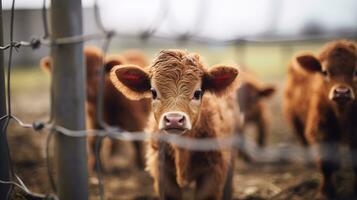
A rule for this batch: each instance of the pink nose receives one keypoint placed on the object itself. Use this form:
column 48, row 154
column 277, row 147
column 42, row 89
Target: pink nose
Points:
column 342, row 94
column 174, row 121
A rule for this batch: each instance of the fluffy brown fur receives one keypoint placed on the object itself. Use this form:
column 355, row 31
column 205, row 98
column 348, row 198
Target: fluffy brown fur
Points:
column 136, row 57
column 297, row 85
column 117, row 109
column 175, row 75
column 251, row 99
column 313, row 110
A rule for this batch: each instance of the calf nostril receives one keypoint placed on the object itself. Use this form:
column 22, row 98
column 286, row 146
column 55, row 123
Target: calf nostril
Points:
column 167, row 120
column 182, row 120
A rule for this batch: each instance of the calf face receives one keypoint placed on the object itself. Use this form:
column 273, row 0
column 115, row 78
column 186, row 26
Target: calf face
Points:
column 337, row 65
column 176, row 82
column 250, row 94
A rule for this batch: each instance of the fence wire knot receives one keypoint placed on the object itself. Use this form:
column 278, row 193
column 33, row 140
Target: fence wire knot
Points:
column 35, row 43
column 38, row 126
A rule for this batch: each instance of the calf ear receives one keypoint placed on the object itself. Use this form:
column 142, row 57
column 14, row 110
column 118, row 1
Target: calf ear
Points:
column 133, row 81
column 309, row 62
column 112, row 61
column 45, row 64
column 220, row 79
column 267, row 91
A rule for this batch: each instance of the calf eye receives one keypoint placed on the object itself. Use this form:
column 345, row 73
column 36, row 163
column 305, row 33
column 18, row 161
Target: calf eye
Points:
column 197, row 95
column 355, row 74
column 325, row 73
column 154, row 93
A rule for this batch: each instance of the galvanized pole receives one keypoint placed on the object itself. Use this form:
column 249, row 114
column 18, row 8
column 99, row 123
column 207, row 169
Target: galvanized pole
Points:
column 68, row 100
column 4, row 164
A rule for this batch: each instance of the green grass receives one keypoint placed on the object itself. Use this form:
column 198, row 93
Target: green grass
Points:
column 27, row 79
column 269, row 62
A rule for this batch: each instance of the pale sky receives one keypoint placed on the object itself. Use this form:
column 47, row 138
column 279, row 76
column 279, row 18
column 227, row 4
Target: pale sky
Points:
column 222, row 19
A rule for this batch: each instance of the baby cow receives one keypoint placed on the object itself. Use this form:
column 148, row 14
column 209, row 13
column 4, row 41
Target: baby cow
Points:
column 188, row 100
column 117, row 109
column 321, row 103
column 251, row 96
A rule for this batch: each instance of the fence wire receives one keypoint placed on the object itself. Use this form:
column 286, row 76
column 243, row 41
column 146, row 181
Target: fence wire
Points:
column 289, row 153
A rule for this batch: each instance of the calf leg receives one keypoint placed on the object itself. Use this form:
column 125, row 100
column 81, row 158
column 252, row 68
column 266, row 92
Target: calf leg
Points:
column 262, row 133
column 210, row 186
column 353, row 153
column 242, row 149
column 328, row 162
column 228, row 186
column 354, row 167
column 167, row 186
column 139, row 157
column 138, row 148
column 323, row 131
column 299, row 129
column 165, row 183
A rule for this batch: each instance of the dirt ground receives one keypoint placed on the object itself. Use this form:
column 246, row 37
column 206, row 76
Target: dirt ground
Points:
column 122, row 180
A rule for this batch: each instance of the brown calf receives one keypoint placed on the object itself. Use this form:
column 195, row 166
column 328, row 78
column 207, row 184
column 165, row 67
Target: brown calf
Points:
column 117, row 109
column 251, row 99
column 321, row 104
column 188, row 100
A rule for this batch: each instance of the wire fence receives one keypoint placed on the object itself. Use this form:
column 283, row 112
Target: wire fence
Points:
column 291, row 153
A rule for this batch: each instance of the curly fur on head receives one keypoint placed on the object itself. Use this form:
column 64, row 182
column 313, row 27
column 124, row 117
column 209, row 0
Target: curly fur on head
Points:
column 179, row 64
column 177, row 69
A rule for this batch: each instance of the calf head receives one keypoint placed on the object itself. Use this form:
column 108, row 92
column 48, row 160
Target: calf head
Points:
column 337, row 65
column 176, row 82
column 94, row 63
column 249, row 94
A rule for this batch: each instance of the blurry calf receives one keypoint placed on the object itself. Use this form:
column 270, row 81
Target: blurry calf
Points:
column 320, row 102
column 251, row 99
column 118, row 110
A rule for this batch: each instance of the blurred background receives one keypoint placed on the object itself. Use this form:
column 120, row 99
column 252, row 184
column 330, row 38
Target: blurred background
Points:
column 172, row 23
column 258, row 35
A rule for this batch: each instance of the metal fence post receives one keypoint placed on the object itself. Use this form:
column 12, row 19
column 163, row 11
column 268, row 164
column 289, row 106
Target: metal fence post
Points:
column 68, row 100
column 4, row 164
